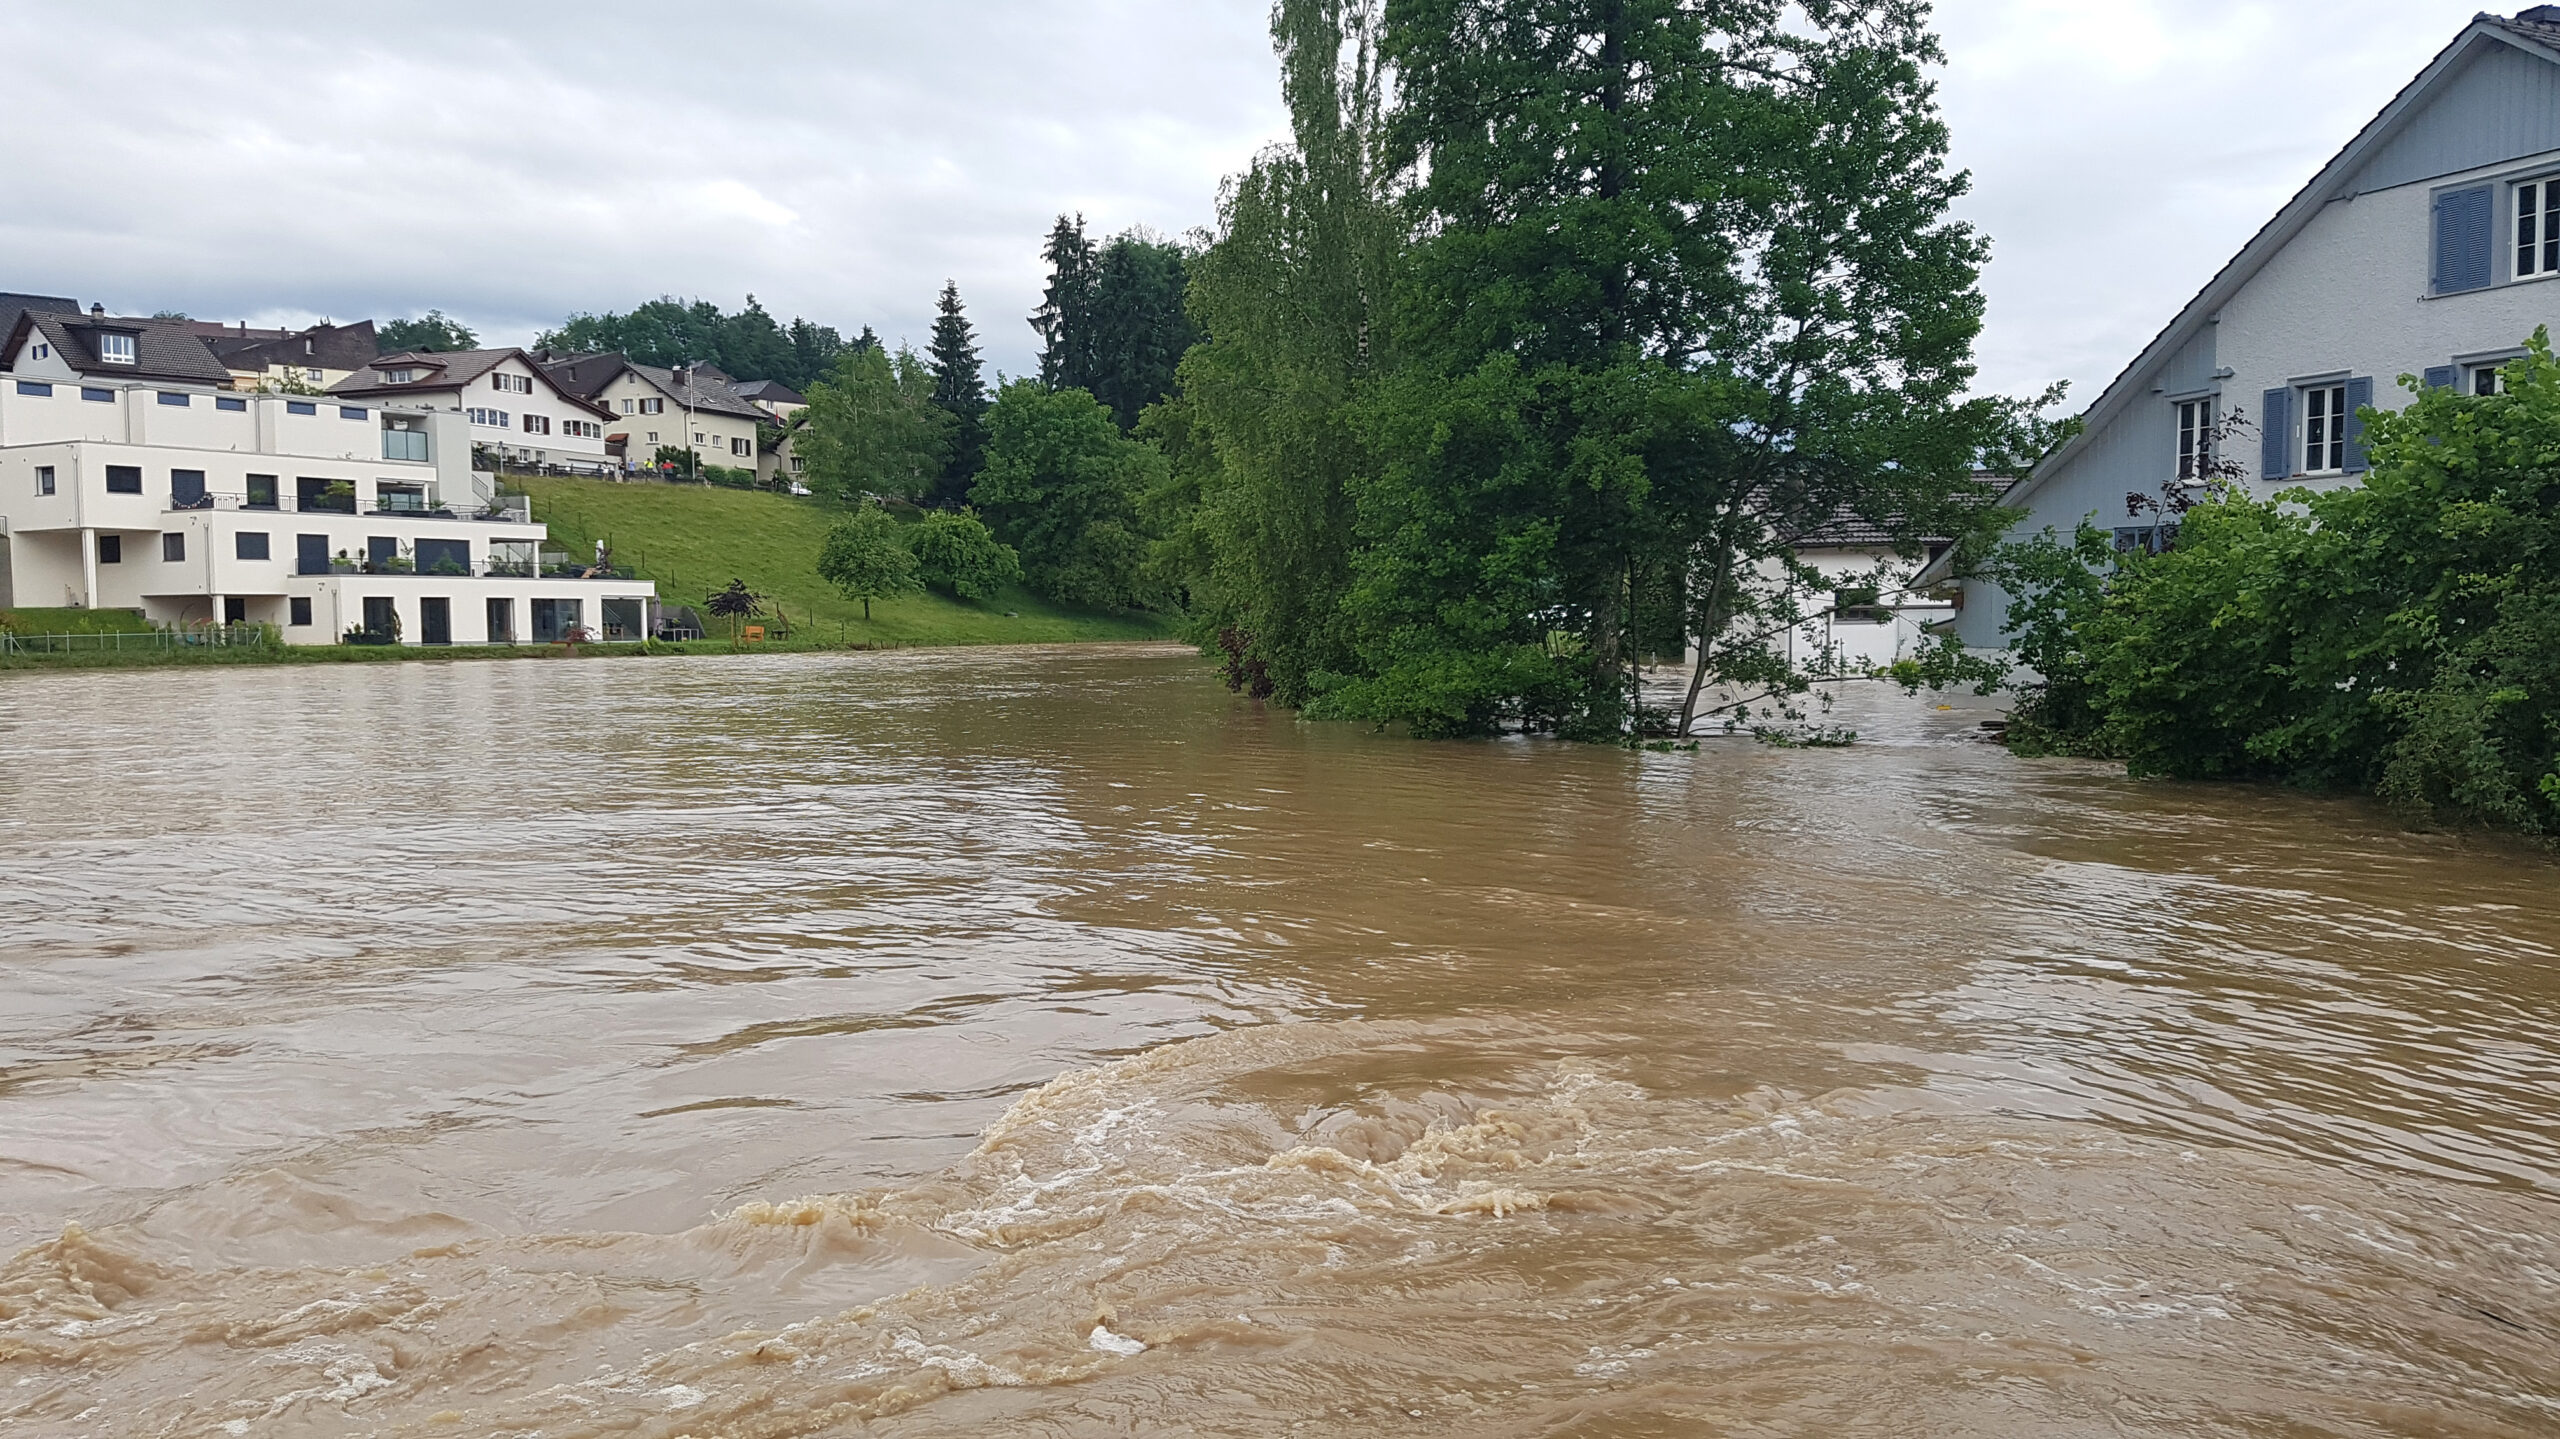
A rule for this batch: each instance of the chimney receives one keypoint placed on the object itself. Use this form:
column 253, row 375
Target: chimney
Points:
column 97, row 310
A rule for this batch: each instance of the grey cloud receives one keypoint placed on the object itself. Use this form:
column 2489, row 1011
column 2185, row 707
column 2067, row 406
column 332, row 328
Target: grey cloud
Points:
column 515, row 163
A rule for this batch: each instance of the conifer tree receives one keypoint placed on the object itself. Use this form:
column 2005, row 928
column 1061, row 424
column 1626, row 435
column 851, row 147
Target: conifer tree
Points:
column 1065, row 318
column 960, row 390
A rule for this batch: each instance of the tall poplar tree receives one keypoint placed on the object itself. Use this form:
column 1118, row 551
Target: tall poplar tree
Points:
column 960, row 390
column 1291, row 293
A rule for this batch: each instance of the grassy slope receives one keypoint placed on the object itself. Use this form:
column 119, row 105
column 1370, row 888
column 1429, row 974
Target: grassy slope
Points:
column 27, row 621
column 693, row 540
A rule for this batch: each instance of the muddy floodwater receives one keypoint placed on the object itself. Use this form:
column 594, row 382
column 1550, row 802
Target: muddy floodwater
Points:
column 1050, row 1043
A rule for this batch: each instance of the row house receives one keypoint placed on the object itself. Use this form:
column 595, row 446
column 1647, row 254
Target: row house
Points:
column 2427, row 248
column 133, row 476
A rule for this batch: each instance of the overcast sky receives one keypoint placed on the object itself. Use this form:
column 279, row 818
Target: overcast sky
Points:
column 512, row 164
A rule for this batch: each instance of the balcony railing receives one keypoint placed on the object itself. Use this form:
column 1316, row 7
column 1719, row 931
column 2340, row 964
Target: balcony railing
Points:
column 410, row 445
column 477, row 569
column 511, row 510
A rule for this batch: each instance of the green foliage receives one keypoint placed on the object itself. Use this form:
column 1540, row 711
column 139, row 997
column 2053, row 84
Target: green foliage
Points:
column 955, row 551
column 873, row 428
column 960, row 391
column 1112, row 321
column 1667, row 287
column 430, row 331
column 866, row 560
column 667, row 332
column 1063, row 487
column 2400, row 637
column 1263, row 442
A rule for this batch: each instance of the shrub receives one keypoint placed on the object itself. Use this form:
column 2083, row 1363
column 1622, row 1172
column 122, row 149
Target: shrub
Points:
column 955, row 551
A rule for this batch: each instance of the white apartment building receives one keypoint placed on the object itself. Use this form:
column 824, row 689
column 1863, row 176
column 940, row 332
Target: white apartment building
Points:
column 131, row 478
column 513, row 408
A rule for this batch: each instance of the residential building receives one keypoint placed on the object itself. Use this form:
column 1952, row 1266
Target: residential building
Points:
column 651, row 409
column 783, row 403
column 132, row 476
column 516, row 411
column 297, row 361
column 2428, row 248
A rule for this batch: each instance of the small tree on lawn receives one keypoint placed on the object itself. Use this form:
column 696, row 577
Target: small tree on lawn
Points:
column 866, row 560
column 737, row 603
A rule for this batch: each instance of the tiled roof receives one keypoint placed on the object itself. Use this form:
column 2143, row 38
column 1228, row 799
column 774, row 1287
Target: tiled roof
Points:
column 12, row 306
column 327, row 347
column 1848, row 530
column 769, row 392
column 700, row 388
column 454, row 370
column 163, row 350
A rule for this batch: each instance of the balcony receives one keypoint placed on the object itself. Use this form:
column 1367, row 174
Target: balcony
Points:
column 394, row 568
column 406, row 445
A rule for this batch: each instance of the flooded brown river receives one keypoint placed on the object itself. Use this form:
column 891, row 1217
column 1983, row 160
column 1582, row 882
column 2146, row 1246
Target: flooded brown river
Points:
column 1049, row 1043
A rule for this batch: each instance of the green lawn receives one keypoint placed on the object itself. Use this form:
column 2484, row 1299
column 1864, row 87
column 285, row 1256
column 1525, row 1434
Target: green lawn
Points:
column 693, row 540
column 27, row 621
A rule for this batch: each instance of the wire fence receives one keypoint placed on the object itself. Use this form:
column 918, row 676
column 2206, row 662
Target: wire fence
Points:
column 253, row 636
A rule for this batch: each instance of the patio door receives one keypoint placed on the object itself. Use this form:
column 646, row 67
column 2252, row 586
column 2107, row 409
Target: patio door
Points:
column 435, row 620
column 311, row 554
column 502, row 622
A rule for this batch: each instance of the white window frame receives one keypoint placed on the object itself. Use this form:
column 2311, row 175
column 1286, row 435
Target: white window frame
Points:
column 2536, row 203
column 42, row 351
column 2324, row 431
column 116, row 349
column 738, row 447
column 2195, row 439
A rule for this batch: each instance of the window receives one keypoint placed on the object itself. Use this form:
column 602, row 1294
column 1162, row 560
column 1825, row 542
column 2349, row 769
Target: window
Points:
column 512, row 384
column 537, row 424
column 115, row 349
column 229, row 402
column 353, row 412
column 249, row 545
column 2324, row 430
column 298, row 610
column 110, row 549
column 42, row 351
column 44, row 479
column 583, row 429
column 2149, row 539
column 741, row 447
column 630, row 407
column 186, row 491
column 397, row 377
column 2538, row 227
column 795, row 464
column 173, row 546
column 97, row 396
column 314, row 375
column 173, row 397
column 496, row 419
column 300, row 407
column 124, row 479
column 2195, row 439
column 653, row 437
column 2488, row 380
column 37, row 388
column 262, row 492
column 700, row 438
column 654, row 405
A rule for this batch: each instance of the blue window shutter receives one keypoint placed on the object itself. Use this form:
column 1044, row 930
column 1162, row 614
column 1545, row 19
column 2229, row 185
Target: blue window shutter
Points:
column 2359, row 395
column 2463, row 239
column 2440, row 377
column 2275, row 440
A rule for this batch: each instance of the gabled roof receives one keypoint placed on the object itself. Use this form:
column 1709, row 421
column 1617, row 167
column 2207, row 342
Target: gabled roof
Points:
column 769, row 392
column 164, row 350
column 326, row 347
column 1849, row 530
column 452, row 370
column 700, row 387
column 2536, row 32
column 12, row 306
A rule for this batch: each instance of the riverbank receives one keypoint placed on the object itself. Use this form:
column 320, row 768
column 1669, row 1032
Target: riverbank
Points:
column 219, row 657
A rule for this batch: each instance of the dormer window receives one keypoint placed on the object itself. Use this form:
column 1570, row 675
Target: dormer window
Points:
column 115, row 349
column 398, row 377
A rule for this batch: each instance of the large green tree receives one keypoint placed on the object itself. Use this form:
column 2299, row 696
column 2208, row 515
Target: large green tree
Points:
column 430, row 331
column 866, row 558
column 1112, row 320
column 960, row 390
column 1683, row 285
column 1063, row 487
column 872, row 428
